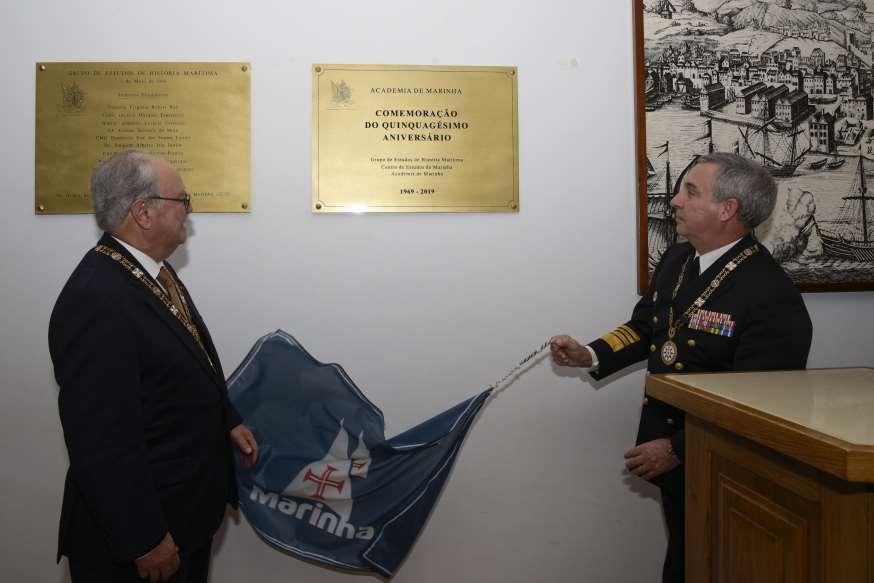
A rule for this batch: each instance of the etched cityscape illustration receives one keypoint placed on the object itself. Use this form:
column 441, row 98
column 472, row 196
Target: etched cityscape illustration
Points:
column 788, row 83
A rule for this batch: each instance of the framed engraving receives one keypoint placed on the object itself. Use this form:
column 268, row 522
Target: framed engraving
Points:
column 786, row 83
column 399, row 138
column 196, row 115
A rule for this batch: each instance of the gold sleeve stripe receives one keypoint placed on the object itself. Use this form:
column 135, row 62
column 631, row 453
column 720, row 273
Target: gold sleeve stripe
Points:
column 628, row 333
column 620, row 338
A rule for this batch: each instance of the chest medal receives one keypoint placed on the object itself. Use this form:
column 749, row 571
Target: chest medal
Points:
column 669, row 352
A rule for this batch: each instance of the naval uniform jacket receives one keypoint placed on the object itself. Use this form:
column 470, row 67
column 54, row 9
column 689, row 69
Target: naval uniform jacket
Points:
column 772, row 329
column 145, row 415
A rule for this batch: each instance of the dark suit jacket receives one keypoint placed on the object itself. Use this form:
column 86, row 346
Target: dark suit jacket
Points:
column 772, row 329
column 146, row 418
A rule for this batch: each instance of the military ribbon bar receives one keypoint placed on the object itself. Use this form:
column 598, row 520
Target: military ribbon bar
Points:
column 717, row 323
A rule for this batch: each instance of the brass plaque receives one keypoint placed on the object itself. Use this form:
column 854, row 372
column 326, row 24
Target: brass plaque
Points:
column 196, row 115
column 397, row 138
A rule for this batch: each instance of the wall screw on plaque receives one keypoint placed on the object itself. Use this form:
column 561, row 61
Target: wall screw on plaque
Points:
column 41, row 207
column 245, row 206
column 42, row 67
column 514, row 206
column 318, row 69
column 245, row 68
column 318, row 206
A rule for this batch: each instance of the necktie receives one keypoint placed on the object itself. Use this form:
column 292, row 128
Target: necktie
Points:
column 169, row 284
column 690, row 275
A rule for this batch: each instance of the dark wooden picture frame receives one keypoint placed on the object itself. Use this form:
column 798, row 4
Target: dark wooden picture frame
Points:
column 789, row 86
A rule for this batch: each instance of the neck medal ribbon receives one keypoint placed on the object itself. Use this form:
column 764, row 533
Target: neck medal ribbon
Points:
column 669, row 349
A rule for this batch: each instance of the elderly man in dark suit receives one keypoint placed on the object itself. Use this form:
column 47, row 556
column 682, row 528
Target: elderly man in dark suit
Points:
column 718, row 302
column 143, row 402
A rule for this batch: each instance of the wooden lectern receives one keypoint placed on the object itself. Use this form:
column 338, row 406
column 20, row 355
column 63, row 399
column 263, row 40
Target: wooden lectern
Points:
column 779, row 474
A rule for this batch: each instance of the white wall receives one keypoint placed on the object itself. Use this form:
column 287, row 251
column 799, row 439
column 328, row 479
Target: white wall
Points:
column 422, row 310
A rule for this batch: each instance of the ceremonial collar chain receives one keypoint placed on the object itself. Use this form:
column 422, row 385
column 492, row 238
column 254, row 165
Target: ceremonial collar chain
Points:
column 158, row 293
column 669, row 348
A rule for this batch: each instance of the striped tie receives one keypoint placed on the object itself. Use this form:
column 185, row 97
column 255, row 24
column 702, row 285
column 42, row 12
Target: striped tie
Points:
column 169, row 284
column 172, row 287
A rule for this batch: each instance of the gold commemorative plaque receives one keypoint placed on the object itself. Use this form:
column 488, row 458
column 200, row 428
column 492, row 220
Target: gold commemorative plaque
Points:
column 196, row 115
column 398, row 138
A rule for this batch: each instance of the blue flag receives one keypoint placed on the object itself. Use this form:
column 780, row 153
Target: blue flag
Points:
column 328, row 485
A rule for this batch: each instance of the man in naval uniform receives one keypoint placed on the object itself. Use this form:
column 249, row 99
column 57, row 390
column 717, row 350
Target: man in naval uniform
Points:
column 143, row 401
column 718, row 302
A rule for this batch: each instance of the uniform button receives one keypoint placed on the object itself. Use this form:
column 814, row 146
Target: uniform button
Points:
column 669, row 421
column 645, row 400
column 652, row 347
column 655, row 319
column 690, row 343
column 679, row 366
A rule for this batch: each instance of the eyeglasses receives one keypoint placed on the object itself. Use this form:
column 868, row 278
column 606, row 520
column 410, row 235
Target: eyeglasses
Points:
column 186, row 200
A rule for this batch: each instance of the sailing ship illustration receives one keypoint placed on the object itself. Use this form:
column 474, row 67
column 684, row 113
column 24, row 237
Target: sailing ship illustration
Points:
column 661, row 222
column 849, row 236
column 778, row 151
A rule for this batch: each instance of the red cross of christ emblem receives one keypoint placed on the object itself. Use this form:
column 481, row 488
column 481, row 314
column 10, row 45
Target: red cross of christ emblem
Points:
column 323, row 481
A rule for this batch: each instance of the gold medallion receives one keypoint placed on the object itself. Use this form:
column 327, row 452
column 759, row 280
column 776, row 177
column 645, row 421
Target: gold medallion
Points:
column 669, row 352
